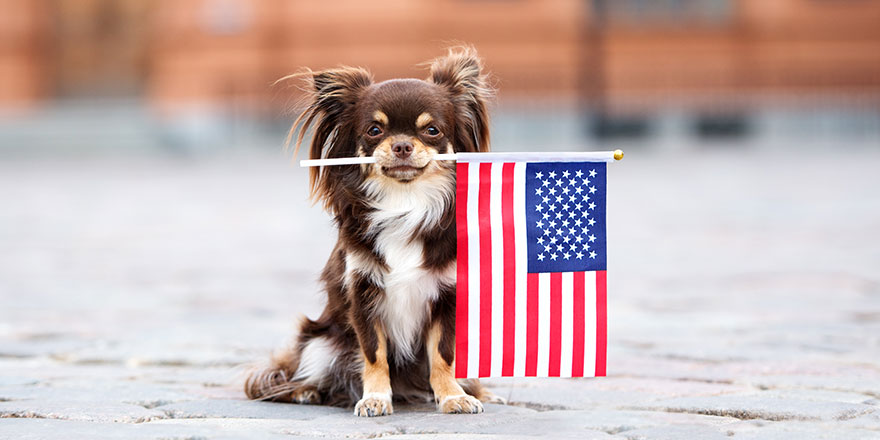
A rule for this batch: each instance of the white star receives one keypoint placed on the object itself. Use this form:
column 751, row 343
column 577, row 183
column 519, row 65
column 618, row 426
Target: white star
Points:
column 565, row 190
column 577, row 222
column 585, row 231
column 592, row 205
column 558, row 182
column 565, row 173
column 565, row 207
column 592, row 173
column 539, row 208
column 553, row 257
column 552, row 190
column 559, row 214
column 553, row 207
column 586, row 182
column 540, row 240
column 566, row 239
column 547, row 248
column 539, row 191
column 540, row 224
column 592, row 238
column 592, row 254
column 552, row 174
column 571, row 198
column 579, row 238
column 578, row 173
column 580, row 255
column 559, row 232
column 553, row 240
column 571, row 213
column 572, row 248
column 560, row 248
column 578, row 190
column 566, row 255
column 564, row 223
column 546, row 232
column 592, row 189
column 546, row 199
column 545, row 216
column 552, row 224
column 545, row 182
column 539, row 174
column 540, row 257
column 579, row 206
column 571, row 231
column 591, row 222
column 586, row 197
column 558, row 199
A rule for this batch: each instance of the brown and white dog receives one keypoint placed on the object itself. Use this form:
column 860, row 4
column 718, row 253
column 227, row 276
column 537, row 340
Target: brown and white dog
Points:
column 388, row 327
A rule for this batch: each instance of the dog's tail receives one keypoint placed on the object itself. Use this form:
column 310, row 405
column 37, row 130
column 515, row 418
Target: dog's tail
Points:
column 274, row 381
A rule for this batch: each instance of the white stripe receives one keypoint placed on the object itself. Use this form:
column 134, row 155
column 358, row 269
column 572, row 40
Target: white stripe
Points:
column 473, row 226
column 590, row 323
column 519, row 221
column 567, row 324
column 495, row 221
column 543, row 325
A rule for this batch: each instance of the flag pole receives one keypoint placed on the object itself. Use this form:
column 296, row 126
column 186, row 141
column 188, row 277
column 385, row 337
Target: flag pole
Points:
column 568, row 156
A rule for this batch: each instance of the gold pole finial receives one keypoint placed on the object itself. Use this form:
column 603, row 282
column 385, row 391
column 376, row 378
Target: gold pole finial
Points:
column 618, row 154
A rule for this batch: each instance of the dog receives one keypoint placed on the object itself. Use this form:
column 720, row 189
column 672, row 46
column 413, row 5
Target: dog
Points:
column 388, row 326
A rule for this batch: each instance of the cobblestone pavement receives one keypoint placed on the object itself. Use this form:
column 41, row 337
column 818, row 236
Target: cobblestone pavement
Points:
column 744, row 295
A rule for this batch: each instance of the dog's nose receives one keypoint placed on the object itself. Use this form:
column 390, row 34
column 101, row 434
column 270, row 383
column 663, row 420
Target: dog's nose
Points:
column 402, row 149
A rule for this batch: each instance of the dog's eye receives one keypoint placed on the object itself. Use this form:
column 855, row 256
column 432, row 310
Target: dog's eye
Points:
column 374, row 131
column 432, row 131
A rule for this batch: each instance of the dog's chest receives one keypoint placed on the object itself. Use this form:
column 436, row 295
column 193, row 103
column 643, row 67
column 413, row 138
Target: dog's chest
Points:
column 410, row 289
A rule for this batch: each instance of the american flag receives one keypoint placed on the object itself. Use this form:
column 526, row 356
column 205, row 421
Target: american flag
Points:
column 531, row 288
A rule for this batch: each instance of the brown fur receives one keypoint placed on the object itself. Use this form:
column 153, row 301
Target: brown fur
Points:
column 402, row 123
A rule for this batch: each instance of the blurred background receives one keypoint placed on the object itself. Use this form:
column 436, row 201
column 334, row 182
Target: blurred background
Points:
column 155, row 236
column 108, row 76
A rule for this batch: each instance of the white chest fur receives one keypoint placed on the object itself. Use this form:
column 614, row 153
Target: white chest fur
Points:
column 401, row 211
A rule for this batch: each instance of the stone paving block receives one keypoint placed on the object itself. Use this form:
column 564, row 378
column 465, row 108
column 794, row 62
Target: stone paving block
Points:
column 676, row 432
column 758, row 406
column 96, row 411
column 201, row 409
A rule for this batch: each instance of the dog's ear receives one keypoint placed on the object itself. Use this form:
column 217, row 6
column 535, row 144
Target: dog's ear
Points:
column 333, row 93
column 460, row 71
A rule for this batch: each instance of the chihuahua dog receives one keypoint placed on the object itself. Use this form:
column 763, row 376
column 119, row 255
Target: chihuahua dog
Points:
column 388, row 329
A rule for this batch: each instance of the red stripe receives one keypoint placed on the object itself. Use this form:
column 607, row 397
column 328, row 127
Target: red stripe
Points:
column 461, row 300
column 532, row 325
column 601, row 322
column 485, row 270
column 509, row 269
column 555, row 323
column 578, row 325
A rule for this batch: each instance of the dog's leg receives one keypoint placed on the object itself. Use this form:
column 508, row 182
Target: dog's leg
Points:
column 376, row 400
column 450, row 396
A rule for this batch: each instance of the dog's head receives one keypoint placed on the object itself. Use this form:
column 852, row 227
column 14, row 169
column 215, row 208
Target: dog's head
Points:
column 402, row 123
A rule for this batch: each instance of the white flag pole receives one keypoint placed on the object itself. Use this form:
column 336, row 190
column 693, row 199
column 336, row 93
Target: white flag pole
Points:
column 607, row 156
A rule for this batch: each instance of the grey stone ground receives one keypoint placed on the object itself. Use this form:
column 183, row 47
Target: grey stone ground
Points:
column 744, row 303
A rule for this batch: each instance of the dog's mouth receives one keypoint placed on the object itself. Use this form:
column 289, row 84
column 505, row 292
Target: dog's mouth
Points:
column 405, row 172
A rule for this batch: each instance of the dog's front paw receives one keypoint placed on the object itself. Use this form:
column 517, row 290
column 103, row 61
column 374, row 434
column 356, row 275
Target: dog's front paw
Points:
column 374, row 404
column 460, row 404
column 490, row 397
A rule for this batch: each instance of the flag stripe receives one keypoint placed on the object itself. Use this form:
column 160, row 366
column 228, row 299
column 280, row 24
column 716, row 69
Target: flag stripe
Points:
column 473, row 226
column 590, row 323
column 577, row 355
column 509, row 279
column 498, row 268
column 484, row 220
column 601, row 322
column 543, row 324
column 566, row 335
column 555, row 323
column 461, row 300
column 532, row 329
column 521, row 276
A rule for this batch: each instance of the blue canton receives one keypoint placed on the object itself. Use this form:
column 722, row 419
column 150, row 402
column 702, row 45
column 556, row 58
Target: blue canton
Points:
column 565, row 216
